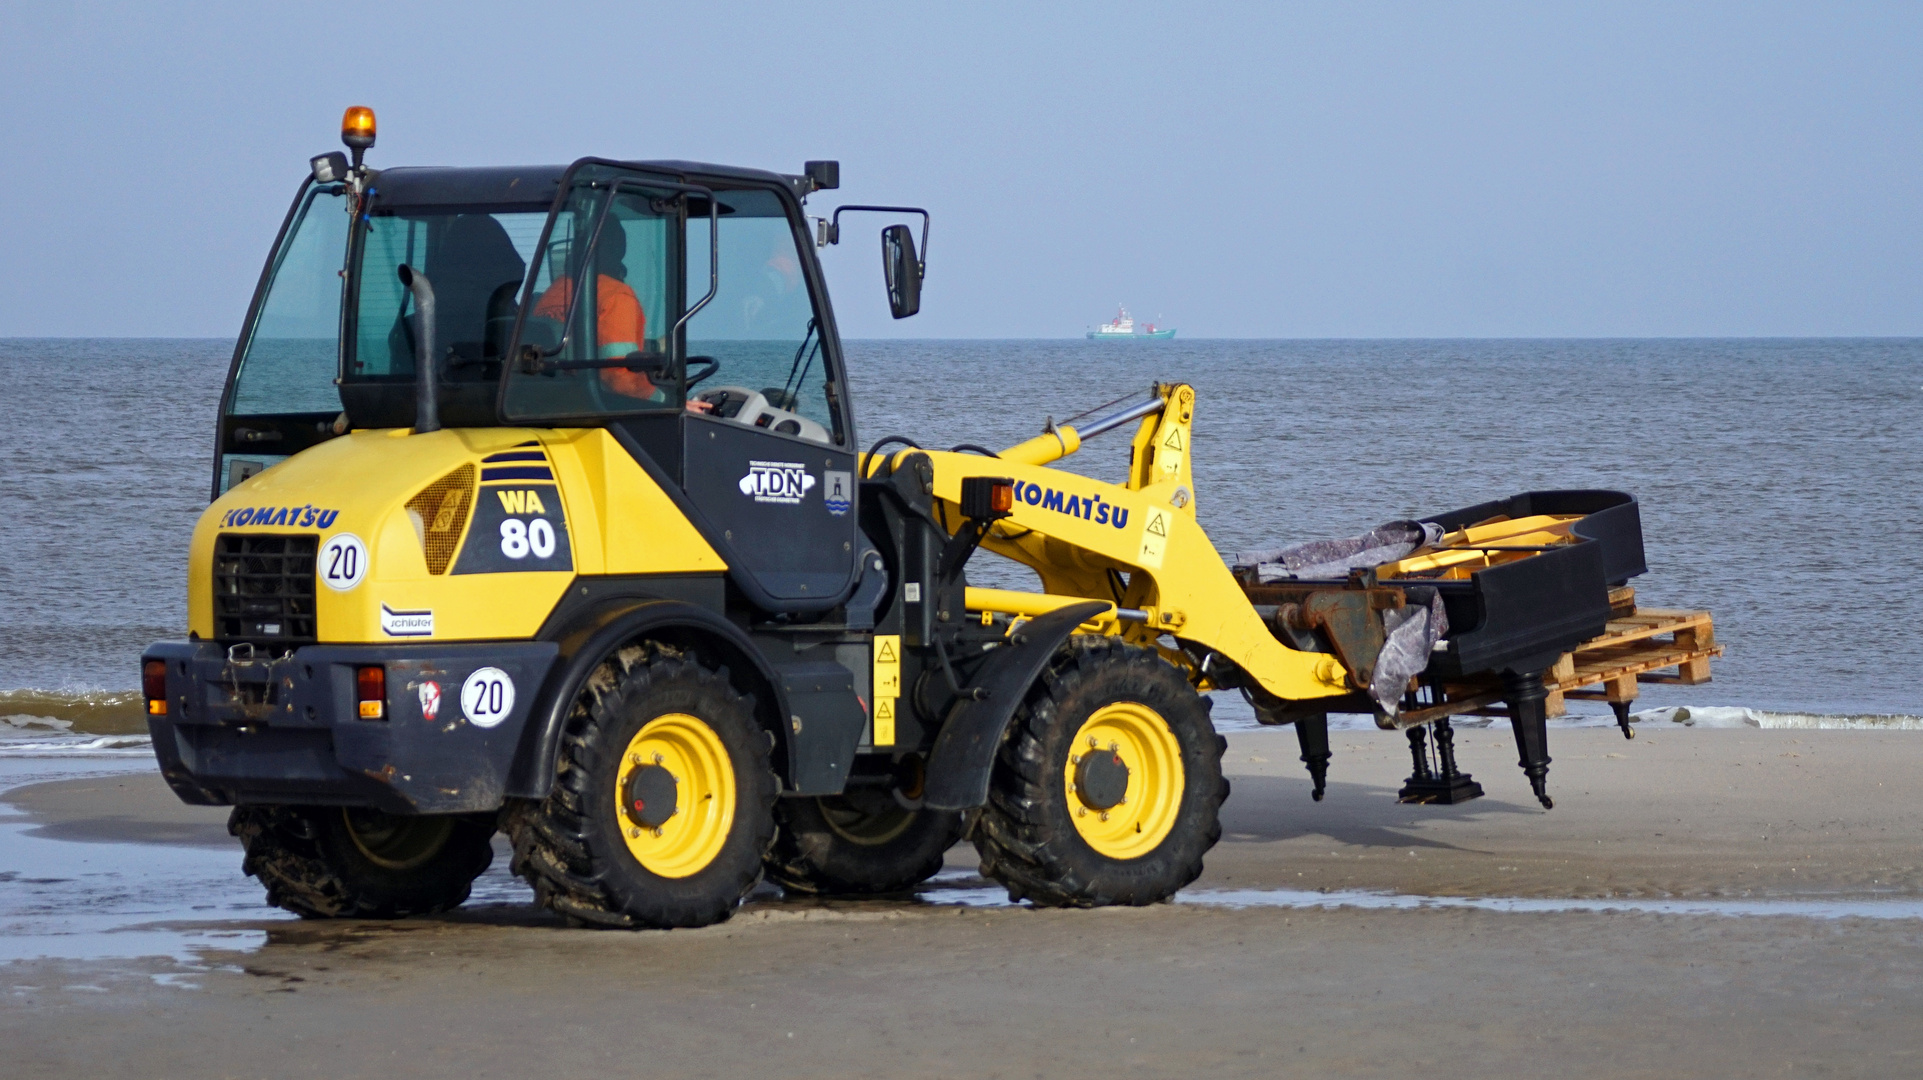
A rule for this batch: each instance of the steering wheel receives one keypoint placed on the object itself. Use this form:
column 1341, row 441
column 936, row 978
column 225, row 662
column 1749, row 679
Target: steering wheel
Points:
column 713, row 366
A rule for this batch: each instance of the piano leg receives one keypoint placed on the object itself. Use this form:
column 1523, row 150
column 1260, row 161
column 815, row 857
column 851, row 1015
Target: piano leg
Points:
column 1621, row 709
column 1529, row 716
column 1419, row 751
column 1444, row 784
column 1313, row 733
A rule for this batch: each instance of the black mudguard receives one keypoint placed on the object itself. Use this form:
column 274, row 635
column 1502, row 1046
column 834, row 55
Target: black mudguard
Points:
column 605, row 628
column 964, row 752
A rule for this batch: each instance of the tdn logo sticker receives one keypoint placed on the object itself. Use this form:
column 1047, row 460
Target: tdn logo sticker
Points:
column 777, row 482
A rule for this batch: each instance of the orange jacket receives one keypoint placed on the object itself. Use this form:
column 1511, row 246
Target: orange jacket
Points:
column 619, row 323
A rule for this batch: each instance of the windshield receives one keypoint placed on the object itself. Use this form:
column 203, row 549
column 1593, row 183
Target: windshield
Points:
column 294, row 348
column 600, row 297
column 761, row 326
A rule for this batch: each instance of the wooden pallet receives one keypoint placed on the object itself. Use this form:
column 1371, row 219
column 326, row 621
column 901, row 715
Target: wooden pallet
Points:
column 1636, row 647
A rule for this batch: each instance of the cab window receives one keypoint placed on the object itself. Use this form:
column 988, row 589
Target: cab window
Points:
column 599, row 298
column 294, row 349
column 761, row 327
column 474, row 257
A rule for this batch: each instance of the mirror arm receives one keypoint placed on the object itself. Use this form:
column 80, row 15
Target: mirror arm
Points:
column 834, row 227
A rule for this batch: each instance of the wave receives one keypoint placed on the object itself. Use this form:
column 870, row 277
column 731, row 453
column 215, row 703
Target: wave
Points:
column 1232, row 714
column 1723, row 716
column 83, row 712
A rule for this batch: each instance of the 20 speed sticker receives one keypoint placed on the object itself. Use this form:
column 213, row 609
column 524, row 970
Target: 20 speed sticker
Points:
column 343, row 562
column 487, row 697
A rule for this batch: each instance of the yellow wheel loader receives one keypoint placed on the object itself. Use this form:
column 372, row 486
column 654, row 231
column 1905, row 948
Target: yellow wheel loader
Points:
column 538, row 508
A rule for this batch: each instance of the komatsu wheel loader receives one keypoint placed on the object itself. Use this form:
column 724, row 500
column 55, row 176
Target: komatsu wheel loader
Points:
column 537, row 508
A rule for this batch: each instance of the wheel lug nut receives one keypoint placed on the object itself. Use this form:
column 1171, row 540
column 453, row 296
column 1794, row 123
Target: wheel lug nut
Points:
column 657, row 831
column 1104, row 815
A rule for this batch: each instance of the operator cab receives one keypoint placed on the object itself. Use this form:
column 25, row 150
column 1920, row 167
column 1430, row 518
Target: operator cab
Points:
column 680, row 306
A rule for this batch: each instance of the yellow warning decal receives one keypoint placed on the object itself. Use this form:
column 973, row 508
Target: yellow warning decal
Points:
column 1154, row 538
column 887, row 687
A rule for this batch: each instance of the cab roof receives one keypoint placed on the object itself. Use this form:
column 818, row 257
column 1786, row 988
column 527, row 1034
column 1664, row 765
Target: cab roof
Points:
column 437, row 185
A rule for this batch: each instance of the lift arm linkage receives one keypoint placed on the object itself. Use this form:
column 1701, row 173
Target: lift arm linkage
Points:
column 1136, row 546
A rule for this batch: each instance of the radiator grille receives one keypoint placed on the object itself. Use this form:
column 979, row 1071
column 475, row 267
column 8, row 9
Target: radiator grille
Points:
column 441, row 509
column 264, row 588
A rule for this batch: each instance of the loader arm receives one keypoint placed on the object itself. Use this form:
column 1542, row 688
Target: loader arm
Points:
column 1080, row 535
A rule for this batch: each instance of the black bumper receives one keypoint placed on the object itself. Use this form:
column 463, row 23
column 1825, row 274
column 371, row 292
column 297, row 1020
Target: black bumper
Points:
column 289, row 730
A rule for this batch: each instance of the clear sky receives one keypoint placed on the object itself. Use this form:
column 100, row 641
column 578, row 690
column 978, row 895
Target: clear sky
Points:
column 1260, row 170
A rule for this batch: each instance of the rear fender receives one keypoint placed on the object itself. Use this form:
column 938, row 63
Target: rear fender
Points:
column 598, row 633
column 964, row 751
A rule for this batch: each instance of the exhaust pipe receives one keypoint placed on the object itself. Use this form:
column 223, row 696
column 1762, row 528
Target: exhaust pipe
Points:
column 427, row 401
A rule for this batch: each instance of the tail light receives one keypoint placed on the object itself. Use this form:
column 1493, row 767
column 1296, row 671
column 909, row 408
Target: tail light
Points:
column 153, row 684
column 370, row 686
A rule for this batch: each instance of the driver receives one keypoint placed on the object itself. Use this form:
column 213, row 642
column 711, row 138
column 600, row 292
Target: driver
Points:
column 620, row 324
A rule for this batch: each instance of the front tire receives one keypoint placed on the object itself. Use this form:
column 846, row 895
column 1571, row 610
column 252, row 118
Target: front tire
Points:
column 1108, row 785
column 662, row 805
column 331, row 862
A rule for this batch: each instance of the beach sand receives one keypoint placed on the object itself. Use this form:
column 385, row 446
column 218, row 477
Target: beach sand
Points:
column 898, row 988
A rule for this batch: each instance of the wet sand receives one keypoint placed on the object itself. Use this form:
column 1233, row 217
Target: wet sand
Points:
column 894, row 988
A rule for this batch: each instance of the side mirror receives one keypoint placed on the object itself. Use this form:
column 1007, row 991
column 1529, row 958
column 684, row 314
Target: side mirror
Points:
column 902, row 270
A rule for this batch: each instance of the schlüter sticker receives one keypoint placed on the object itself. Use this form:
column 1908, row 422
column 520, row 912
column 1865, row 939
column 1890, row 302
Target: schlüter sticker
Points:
column 785, row 482
column 430, row 695
column 838, row 492
column 406, row 623
column 487, row 697
column 517, row 528
column 343, row 562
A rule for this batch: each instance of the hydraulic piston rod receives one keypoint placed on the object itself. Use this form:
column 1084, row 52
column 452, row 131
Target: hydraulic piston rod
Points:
column 1064, row 439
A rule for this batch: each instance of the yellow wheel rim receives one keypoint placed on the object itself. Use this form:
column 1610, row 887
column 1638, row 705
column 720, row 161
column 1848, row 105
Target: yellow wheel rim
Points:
column 703, row 777
column 1152, row 799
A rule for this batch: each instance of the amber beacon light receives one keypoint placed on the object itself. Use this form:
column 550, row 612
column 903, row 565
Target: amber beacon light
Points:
column 357, row 130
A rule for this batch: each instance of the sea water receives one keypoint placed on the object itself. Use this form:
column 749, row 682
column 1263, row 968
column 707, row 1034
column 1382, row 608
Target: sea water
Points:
column 1778, row 482
column 1778, row 479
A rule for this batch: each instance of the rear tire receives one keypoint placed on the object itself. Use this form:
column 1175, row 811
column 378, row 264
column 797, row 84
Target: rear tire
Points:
column 662, row 805
column 1108, row 785
column 330, row 862
column 861, row 843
